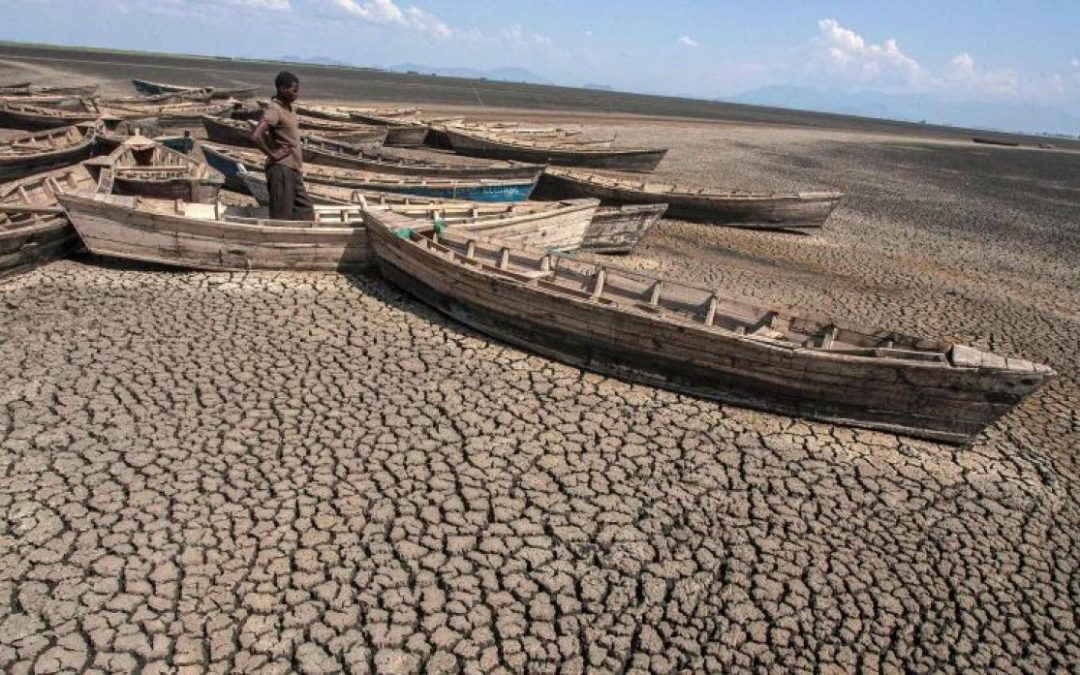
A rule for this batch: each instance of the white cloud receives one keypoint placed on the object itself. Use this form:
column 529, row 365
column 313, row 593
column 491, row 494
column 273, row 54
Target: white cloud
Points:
column 388, row 13
column 688, row 41
column 848, row 54
column 962, row 73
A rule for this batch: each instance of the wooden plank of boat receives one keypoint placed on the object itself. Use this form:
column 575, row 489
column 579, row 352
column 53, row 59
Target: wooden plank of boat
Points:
column 33, row 226
column 238, row 93
column 141, row 166
column 403, row 130
column 786, row 210
column 254, row 184
column 32, row 118
column 43, row 150
column 500, row 147
column 214, row 236
column 699, row 342
column 618, row 229
column 228, row 131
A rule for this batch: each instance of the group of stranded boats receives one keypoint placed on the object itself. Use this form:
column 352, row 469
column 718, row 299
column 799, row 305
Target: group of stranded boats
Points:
column 487, row 235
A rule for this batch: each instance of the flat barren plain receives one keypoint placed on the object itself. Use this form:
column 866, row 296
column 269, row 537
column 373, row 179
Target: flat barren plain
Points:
column 287, row 472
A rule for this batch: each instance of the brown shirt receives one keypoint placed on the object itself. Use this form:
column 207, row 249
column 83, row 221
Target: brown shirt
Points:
column 284, row 132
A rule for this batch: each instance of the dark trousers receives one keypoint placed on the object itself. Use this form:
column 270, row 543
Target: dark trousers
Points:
column 288, row 198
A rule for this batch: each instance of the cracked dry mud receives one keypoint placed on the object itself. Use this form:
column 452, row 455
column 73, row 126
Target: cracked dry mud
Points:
column 313, row 473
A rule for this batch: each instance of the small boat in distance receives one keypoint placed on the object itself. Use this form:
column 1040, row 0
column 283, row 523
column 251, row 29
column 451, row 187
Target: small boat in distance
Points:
column 703, row 342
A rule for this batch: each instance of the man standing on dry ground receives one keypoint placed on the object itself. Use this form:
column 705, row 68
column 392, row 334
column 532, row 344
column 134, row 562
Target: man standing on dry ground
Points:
column 278, row 135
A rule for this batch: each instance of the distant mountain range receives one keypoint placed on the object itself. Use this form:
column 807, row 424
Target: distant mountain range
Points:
column 501, row 74
column 317, row 60
column 1021, row 117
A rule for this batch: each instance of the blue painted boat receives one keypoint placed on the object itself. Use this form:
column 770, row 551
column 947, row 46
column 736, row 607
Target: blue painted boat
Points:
column 227, row 160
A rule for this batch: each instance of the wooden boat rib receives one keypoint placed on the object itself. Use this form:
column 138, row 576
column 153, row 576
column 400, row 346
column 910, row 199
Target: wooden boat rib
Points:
column 31, row 118
column 43, row 150
column 697, row 341
column 33, row 226
column 745, row 209
column 140, row 166
column 501, row 147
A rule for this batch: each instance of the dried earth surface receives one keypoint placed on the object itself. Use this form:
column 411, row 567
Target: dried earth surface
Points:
column 314, row 473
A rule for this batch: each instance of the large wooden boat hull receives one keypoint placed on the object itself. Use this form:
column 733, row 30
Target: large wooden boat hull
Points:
column 113, row 226
column 143, row 167
column 951, row 402
column 33, row 227
column 13, row 166
column 795, row 210
column 609, row 158
column 220, row 131
column 619, row 229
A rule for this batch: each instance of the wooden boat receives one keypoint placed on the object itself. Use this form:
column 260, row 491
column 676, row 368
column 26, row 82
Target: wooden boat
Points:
column 170, row 115
column 28, row 89
column 73, row 103
column 254, row 183
column 155, row 88
column 226, row 159
column 33, row 226
column 189, row 96
column 402, row 131
column 501, row 147
column 745, row 209
column 361, row 140
column 43, row 150
column 215, row 236
column 141, row 166
column 618, row 229
column 697, row 341
column 229, row 131
column 986, row 140
column 333, row 152
column 32, row 118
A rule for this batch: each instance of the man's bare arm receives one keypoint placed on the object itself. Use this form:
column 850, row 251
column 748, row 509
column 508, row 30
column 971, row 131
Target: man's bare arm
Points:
column 258, row 137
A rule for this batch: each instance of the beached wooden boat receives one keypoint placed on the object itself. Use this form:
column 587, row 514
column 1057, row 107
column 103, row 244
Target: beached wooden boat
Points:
column 355, row 140
column 38, row 151
column 32, row 118
column 74, row 103
column 141, row 166
column 744, row 209
column 226, row 160
column 28, row 89
column 331, row 153
column 169, row 115
column 154, row 88
column 400, row 131
column 215, row 236
column 494, row 146
column 618, row 229
column 986, row 140
column 700, row 342
column 189, row 96
column 33, row 226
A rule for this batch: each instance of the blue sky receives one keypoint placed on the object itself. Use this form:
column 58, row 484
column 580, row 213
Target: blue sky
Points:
column 953, row 49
